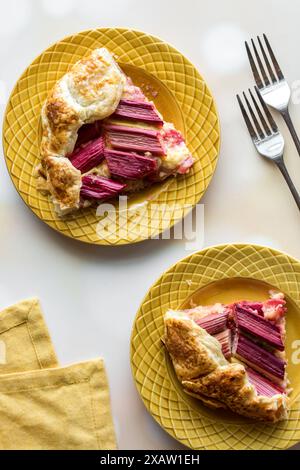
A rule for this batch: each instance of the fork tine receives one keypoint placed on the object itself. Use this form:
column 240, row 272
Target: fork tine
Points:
column 273, row 58
column 271, row 73
column 254, row 118
column 247, row 120
column 260, row 64
column 267, row 112
column 255, row 72
column 261, row 116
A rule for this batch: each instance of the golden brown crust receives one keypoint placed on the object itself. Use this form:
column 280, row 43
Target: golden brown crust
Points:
column 204, row 372
column 64, row 182
column 188, row 348
column 230, row 385
column 60, row 122
column 207, row 401
column 90, row 91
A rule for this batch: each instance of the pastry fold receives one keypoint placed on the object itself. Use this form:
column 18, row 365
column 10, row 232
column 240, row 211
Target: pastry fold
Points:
column 205, row 373
column 89, row 92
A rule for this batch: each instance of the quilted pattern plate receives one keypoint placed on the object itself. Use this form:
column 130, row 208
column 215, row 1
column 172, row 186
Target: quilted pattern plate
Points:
column 183, row 97
column 236, row 271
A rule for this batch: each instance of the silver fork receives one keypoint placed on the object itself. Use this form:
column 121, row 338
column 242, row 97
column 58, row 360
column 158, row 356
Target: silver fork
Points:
column 272, row 85
column 265, row 135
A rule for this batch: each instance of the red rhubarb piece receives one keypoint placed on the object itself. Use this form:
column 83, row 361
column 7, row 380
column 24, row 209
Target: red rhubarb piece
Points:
column 138, row 111
column 259, row 358
column 263, row 386
column 129, row 165
column 133, row 139
column 88, row 156
column 214, row 323
column 259, row 327
column 254, row 307
column 97, row 187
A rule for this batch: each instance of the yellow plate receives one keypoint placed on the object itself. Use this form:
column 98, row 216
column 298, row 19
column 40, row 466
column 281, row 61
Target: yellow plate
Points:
column 183, row 97
column 218, row 274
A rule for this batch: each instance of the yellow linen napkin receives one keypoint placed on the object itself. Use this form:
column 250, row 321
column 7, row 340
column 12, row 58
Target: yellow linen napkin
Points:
column 25, row 343
column 56, row 409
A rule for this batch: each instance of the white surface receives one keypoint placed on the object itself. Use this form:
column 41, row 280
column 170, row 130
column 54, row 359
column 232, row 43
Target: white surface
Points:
column 91, row 294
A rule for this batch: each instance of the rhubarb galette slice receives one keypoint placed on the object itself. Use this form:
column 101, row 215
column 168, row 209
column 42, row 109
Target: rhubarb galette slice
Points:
column 102, row 137
column 232, row 356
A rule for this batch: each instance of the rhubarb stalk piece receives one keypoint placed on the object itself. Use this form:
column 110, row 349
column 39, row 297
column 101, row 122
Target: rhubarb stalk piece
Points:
column 97, row 187
column 258, row 326
column 138, row 111
column 214, row 323
column 262, row 385
column 254, row 307
column 129, row 165
column 133, row 139
column 89, row 156
column 259, row 359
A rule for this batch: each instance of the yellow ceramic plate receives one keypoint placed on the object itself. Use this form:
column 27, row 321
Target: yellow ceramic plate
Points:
column 217, row 274
column 183, row 98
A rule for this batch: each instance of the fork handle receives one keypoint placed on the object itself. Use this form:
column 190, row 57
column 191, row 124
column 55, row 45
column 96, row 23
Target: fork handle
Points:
column 286, row 116
column 281, row 165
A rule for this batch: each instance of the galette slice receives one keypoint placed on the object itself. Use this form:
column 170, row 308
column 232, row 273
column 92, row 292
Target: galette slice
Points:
column 102, row 137
column 233, row 356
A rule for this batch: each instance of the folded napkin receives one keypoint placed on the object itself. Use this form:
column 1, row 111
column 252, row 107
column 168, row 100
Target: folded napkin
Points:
column 48, row 407
column 65, row 408
column 25, row 343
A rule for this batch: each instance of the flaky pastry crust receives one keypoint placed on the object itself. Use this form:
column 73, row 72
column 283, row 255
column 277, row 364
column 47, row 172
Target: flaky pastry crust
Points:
column 89, row 92
column 205, row 373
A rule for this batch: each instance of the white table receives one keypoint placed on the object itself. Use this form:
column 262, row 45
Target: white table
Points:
column 91, row 294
